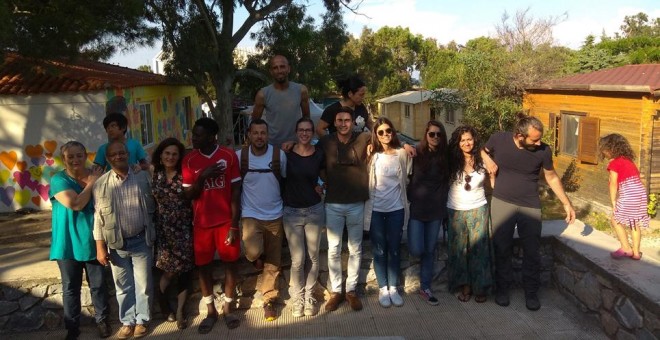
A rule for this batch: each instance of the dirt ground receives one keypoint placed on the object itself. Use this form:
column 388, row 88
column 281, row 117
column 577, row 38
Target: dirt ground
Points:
column 26, row 230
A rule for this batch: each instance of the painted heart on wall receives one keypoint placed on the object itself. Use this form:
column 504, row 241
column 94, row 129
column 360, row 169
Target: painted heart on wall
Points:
column 38, row 161
column 7, row 195
column 9, row 159
column 91, row 156
column 43, row 189
column 34, row 151
column 36, row 172
column 22, row 197
column 4, row 176
column 24, row 179
column 36, row 200
column 22, row 165
column 51, row 146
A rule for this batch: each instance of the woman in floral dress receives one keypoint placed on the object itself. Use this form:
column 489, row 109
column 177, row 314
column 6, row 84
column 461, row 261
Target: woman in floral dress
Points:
column 174, row 242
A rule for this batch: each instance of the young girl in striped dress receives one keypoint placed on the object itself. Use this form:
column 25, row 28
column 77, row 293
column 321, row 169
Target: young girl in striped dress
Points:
column 627, row 193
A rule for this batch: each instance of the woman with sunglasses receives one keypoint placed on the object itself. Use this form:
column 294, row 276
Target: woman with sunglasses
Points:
column 304, row 217
column 469, row 259
column 427, row 192
column 386, row 211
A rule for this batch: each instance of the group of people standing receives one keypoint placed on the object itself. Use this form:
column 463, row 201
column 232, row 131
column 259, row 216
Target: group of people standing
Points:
column 186, row 209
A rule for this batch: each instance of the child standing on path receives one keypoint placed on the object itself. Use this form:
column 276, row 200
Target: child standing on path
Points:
column 627, row 193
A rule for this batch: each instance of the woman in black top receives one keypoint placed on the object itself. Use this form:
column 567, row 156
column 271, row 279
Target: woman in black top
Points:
column 427, row 193
column 353, row 91
column 304, row 216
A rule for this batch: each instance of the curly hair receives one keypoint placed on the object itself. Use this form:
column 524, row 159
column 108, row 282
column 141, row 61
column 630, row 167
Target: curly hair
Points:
column 456, row 157
column 616, row 145
column 155, row 156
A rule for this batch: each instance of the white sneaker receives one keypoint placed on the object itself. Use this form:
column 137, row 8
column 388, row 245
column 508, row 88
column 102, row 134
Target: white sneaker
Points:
column 384, row 297
column 298, row 307
column 395, row 297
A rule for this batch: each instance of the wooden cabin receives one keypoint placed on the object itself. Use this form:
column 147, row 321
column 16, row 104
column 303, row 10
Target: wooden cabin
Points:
column 579, row 109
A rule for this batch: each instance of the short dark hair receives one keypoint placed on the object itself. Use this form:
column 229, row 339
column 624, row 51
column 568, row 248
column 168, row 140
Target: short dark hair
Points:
column 209, row 125
column 115, row 117
column 257, row 121
column 155, row 156
column 305, row 120
column 350, row 84
column 525, row 122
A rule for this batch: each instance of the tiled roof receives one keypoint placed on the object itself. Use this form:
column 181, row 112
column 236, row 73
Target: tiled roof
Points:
column 23, row 76
column 629, row 78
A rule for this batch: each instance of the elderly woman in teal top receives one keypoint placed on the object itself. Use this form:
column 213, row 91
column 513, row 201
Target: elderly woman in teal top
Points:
column 73, row 245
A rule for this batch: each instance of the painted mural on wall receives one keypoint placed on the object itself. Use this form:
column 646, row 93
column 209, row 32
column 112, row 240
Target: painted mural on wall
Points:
column 25, row 173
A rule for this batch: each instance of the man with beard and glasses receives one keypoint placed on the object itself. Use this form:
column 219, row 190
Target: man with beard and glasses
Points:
column 519, row 158
column 281, row 103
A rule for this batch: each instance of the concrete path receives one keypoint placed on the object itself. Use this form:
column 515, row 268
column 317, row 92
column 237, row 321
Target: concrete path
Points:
column 452, row 319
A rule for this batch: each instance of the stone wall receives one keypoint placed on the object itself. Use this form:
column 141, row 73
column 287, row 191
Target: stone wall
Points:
column 623, row 313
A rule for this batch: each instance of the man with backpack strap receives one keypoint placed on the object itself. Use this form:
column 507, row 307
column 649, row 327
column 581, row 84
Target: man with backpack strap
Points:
column 262, row 166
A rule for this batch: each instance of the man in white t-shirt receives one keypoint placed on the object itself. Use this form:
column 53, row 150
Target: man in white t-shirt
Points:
column 262, row 207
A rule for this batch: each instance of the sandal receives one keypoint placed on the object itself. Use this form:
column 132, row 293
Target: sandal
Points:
column 231, row 321
column 207, row 324
column 620, row 253
column 637, row 257
column 464, row 297
column 480, row 298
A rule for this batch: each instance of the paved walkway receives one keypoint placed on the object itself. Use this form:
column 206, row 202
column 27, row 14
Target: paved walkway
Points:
column 557, row 319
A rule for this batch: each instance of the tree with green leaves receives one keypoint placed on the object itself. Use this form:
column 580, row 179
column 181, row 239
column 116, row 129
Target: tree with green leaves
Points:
column 69, row 29
column 638, row 42
column 199, row 41
column 294, row 34
column 145, row 68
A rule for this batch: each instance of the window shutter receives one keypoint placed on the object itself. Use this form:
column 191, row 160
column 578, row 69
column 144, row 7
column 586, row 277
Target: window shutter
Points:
column 554, row 132
column 589, row 134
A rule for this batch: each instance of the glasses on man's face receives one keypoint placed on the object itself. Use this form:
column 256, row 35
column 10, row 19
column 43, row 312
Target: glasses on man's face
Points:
column 433, row 134
column 304, row 130
column 468, row 178
column 384, row 131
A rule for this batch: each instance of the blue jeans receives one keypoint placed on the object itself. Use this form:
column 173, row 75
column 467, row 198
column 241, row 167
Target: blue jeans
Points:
column 336, row 215
column 385, row 234
column 131, row 270
column 422, row 240
column 72, row 271
column 302, row 227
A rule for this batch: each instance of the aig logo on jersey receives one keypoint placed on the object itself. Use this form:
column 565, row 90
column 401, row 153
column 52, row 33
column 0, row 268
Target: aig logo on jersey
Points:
column 217, row 182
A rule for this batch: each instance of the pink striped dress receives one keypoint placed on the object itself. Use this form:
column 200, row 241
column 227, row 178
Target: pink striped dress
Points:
column 632, row 200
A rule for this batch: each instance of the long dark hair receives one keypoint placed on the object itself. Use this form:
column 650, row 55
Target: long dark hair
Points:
column 426, row 156
column 395, row 143
column 350, row 84
column 155, row 156
column 456, row 157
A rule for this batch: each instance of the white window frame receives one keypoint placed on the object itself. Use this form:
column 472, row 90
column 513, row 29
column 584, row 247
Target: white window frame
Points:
column 406, row 110
column 570, row 138
column 450, row 115
column 146, row 124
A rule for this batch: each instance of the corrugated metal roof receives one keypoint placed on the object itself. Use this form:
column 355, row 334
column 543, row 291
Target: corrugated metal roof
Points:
column 23, row 76
column 414, row 97
column 629, row 78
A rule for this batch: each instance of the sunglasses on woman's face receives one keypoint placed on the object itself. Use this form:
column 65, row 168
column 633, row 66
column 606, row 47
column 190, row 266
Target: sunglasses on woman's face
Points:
column 434, row 134
column 385, row 131
column 468, row 178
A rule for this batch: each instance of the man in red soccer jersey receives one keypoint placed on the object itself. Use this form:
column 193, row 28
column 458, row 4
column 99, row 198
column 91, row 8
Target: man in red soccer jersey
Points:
column 211, row 178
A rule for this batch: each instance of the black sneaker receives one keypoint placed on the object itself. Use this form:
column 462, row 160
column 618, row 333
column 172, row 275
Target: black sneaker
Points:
column 72, row 334
column 104, row 329
column 502, row 298
column 532, row 301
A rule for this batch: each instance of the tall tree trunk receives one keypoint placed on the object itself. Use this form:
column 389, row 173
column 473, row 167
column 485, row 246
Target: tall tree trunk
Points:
column 223, row 110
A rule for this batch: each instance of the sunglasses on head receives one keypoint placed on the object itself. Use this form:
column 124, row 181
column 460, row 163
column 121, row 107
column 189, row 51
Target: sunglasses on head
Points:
column 434, row 134
column 467, row 178
column 386, row 131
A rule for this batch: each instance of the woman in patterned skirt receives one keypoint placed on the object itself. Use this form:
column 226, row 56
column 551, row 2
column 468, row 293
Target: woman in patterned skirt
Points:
column 174, row 247
column 469, row 259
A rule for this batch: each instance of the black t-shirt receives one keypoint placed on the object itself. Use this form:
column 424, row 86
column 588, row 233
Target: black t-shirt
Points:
column 428, row 190
column 302, row 174
column 518, row 175
column 360, row 117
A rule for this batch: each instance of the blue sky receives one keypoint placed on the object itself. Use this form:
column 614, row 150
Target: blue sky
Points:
column 462, row 20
